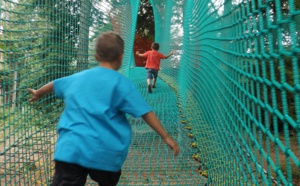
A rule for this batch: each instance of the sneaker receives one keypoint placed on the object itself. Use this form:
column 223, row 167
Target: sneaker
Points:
column 149, row 89
column 153, row 86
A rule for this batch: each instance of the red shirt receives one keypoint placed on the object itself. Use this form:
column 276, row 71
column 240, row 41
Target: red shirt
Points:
column 153, row 59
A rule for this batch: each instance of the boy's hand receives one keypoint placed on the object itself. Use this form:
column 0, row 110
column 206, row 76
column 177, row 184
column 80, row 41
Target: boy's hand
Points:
column 137, row 52
column 35, row 96
column 172, row 144
column 153, row 122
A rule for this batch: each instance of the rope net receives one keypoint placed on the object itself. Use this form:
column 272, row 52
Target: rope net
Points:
column 230, row 94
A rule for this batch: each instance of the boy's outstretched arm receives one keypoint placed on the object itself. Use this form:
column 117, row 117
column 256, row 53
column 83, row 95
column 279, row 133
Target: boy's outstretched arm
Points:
column 37, row 94
column 167, row 56
column 139, row 54
column 151, row 119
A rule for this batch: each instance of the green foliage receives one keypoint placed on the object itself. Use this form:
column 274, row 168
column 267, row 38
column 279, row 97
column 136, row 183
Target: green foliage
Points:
column 297, row 4
column 145, row 21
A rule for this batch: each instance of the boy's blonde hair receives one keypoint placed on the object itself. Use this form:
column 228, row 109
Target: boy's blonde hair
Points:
column 109, row 46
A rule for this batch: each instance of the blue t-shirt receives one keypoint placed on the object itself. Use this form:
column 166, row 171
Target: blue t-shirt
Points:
column 93, row 129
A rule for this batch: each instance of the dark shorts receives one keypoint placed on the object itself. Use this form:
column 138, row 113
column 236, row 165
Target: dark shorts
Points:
column 67, row 174
column 151, row 73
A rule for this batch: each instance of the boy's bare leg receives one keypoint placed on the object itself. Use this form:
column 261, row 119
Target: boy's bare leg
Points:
column 148, row 81
column 154, row 82
column 149, row 85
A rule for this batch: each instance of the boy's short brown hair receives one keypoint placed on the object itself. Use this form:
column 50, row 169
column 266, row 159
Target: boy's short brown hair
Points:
column 109, row 46
column 155, row 46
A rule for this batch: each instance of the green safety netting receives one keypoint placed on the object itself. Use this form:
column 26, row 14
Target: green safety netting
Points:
column 230, row 95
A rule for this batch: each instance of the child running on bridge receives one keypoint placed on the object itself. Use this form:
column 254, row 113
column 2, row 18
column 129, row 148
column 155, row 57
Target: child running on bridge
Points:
column 153, row 63
column 94, row 134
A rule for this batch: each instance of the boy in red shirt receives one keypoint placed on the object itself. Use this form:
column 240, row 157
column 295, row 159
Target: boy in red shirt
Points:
column 153, row 63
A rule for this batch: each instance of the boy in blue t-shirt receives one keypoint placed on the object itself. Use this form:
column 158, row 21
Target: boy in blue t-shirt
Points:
column 94, row 134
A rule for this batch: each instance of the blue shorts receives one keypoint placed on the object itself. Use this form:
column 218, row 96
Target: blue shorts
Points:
column 151, row 73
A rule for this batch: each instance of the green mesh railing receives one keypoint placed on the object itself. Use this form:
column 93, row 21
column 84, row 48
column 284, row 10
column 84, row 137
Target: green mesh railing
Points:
column 240, row 76
column 230, row 94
